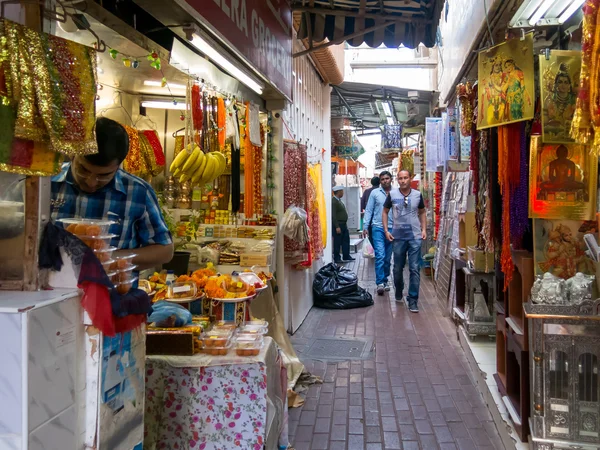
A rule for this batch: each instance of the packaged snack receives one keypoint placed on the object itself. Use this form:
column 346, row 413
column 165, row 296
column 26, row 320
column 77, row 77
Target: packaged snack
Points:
column 256, row 327
column 216, row 343
column 144, row 285
column 86, row 227
column 183, row 291
column 252, row 279
column 203, row 321
column 225, row 325
column 248, row 345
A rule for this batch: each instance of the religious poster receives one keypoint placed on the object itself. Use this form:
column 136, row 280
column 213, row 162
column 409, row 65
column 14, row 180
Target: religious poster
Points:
column 506, row 83
column 559, row 247
column 562, row 181
column 559, row 83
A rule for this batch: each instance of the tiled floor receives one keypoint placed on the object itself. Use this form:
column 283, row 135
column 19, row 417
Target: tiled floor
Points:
column 416, row 393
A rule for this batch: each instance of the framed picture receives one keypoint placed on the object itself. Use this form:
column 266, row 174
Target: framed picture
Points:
column 559, row 80
column 562, row 181
column 559, row 247
column 506, row 87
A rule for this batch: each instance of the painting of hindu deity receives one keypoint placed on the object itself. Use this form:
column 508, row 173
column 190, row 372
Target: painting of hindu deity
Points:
column 560, row 248
column 559, row 82
column 562, row 181
column 506, row 86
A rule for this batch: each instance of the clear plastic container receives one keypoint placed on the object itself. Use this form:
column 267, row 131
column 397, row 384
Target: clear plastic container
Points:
column 225, row 325
column 203, row 321
column 123, row 262
column 105, row 254
column 121, row 276
column 255, row 327
column 97, row 242
column 216, row 350
column 236, row 285
column 86, row 227
column 252, row 279
column 144, row 285
column 248, row 344
column 182, row 291
column 216, row 339
column 124, row 287
column 263, row 272
column 108, row 265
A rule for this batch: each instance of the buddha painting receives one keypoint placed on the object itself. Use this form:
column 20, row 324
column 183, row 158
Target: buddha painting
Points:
column 559, row 80
column 562, row 181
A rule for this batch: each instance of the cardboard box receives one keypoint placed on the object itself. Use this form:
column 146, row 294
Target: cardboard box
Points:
column 480, row 261
column 467, row 233
column 166, row 343
column 255, row 259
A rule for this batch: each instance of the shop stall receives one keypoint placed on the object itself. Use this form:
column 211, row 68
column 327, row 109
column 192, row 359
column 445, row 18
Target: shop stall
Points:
column 516, row 185
column 204, row 140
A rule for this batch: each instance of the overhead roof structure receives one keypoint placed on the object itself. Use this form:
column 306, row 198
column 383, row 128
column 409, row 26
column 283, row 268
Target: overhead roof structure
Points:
column 374, row 22
column 364, row 105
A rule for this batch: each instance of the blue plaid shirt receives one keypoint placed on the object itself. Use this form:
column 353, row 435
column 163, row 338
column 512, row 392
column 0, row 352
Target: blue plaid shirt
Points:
column 127, row 199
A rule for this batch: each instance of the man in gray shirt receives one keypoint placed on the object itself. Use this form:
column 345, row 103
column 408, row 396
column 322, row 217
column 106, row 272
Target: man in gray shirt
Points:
column 409, row 229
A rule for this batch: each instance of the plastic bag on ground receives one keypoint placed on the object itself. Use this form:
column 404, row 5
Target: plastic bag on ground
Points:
column 358, row 299
column 334, row 280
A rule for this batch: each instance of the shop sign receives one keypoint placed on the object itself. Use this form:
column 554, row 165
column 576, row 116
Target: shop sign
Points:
column 261, row 30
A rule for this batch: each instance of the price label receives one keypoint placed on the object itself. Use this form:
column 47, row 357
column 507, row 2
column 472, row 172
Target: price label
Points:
column 179, row 289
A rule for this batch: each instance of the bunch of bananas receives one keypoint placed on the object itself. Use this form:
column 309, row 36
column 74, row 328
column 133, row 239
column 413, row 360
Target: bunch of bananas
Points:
column 198, row 167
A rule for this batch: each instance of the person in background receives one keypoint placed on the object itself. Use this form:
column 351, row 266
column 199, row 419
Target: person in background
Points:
column 94, row 187
column 374, row 229
column 363, row 205
column 409, row 230
column 341, row 235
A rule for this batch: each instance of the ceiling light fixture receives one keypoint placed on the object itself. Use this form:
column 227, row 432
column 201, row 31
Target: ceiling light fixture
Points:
column 390, row 120
column 544, row 13
column 387, row 109
column 158, row 104
column 159, row 84
column 225, row 64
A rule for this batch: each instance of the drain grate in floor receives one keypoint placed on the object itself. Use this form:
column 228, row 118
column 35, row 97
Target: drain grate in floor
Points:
column 341, row 348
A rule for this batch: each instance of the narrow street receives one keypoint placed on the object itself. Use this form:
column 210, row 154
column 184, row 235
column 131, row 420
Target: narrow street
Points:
column 414, row 393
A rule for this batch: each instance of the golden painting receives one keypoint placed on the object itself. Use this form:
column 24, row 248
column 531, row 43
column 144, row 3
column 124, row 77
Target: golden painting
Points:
column 559, row 247
column 506, row 86
column 562, row 181
column 559, row 82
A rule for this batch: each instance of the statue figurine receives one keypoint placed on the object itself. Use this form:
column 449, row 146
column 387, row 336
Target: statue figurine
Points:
column 579, row 288
column 549, row 290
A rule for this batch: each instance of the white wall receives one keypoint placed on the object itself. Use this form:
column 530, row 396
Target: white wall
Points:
column 308, row 119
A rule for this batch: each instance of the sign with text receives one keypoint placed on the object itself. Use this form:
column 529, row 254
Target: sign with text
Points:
column 261, row 30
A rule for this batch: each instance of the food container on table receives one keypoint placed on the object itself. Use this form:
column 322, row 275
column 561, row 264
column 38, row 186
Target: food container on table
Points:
column 144, row 285
column 248, row 344
column 86, row 227
column 97, row 242
column 121, row 276
column 125, row 286
column 105, row 254
column 216, row 343
column 123, row 262
column 225, row 325
column 182, row 291
column 262, row 271
column 252, row 279
column 235, row 285
column 203, row 321
column 256, row 327
column 216, row 350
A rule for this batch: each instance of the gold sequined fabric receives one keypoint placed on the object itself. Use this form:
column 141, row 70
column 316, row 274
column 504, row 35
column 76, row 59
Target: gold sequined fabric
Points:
column 52, row 82
column 134, row 163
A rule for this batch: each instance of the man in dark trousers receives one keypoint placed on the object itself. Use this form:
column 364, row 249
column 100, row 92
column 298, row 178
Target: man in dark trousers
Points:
column 375, row 182
column 341, row 235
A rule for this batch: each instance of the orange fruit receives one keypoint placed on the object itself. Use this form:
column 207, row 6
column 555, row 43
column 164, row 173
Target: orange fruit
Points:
column 71, row 228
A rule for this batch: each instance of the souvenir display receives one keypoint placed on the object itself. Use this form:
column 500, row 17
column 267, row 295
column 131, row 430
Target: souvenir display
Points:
column 580, row 288
column 563, row 181
column 506, row 87
column 549, row 290
column 559, row 80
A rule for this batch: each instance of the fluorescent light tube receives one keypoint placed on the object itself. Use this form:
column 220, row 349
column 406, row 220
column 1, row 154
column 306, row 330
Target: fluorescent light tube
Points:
column 387, row 109
column 390, row 120
column 159, row 84
column 225, row 64
column 570, row 10
column 156, row 104
column 539, row 13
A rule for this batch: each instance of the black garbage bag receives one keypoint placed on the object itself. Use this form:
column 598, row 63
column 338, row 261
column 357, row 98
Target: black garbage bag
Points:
column 358, row 299
column 334, row 280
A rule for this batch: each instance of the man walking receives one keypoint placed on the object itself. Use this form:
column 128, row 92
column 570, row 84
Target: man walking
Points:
column 364, row 200
column 409, row 229
column 374, row 228
column 341, row 235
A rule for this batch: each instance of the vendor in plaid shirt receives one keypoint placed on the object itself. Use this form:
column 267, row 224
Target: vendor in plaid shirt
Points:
column 94, row 187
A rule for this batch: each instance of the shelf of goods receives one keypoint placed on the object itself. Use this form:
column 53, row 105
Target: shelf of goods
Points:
column 512, row 344
column 564, row 354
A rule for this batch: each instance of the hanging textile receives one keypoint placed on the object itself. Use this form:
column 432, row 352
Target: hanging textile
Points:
column 157, row 150
column 391, row 138
column 587, row 115
column 407, row 161
column 482, row 195
column 221, row 122
column 134, row 162
column 231, row 126
column 248, row 167
column 294, row 187
column 196, row 108
column 315, row 173
column 257, row 175
column 254, row 124
column 519, row 206
column 235, row 160
column 52, row 82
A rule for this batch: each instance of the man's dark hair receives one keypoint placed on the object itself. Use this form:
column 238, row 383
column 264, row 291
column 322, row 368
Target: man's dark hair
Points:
column 410, row 174
column 385, row 172
column 113, row 143
column 375, row 182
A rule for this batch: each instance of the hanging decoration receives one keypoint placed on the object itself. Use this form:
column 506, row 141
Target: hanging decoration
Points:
column 294, row 187
column 439, row 186
column 221, row 122
column 248, row 167
column 270, row 170
column 134, row 61
column 519, row 217
column 391, row 138
column 257, row 175
column 315, row 173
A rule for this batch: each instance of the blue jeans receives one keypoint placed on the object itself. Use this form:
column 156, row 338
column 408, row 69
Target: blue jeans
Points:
column 383, row 255
column 413, row 248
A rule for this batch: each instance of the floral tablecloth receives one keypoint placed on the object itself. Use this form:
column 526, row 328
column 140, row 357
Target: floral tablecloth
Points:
column 217, row 403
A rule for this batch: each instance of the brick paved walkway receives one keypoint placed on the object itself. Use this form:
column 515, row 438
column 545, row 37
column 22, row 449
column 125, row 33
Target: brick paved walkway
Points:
column 416, row 393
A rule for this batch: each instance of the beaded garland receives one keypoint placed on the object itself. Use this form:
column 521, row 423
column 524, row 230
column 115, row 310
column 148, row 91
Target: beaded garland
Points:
column 519, row 212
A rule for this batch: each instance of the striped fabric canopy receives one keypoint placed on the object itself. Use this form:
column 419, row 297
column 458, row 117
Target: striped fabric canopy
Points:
column 409, row 22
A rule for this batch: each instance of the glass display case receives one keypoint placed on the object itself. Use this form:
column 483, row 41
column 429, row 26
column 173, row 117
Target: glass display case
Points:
column 564, row 375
